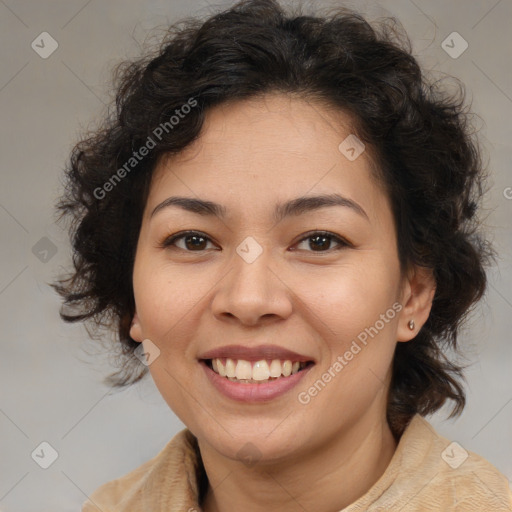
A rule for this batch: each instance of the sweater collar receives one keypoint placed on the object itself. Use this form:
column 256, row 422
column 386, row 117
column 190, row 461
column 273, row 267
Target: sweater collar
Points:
column 189, row 476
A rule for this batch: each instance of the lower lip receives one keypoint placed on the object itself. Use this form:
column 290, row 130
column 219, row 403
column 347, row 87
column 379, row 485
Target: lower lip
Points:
column 246, row 392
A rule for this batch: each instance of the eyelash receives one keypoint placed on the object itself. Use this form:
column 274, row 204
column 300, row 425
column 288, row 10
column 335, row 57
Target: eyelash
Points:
column 170, row 241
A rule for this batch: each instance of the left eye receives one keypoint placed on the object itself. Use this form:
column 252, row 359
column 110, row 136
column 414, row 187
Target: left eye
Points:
column 320, row 241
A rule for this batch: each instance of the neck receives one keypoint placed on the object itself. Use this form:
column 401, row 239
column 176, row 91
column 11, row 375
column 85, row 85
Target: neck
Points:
column 327, row 478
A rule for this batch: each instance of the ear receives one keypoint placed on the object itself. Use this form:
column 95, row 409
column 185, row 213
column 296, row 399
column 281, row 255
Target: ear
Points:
column 417, row 296
column 135, row 329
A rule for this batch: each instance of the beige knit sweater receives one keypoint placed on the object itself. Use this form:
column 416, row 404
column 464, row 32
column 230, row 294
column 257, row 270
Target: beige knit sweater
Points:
column 426, row 473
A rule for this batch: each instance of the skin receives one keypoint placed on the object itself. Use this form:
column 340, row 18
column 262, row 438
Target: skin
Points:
column 251, row 155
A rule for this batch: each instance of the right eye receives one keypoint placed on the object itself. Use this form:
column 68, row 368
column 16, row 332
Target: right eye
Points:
column 193, row 241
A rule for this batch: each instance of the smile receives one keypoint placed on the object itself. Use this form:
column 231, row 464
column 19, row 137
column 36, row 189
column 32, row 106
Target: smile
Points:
column 252, row 372
column 255, row 373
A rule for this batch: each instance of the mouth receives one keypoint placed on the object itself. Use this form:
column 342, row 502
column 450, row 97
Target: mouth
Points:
column 255, row 372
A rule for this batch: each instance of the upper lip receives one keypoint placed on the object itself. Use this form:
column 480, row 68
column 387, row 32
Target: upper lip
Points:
column 258, row 353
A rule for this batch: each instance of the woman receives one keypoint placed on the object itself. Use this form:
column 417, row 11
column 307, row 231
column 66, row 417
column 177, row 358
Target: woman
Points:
column 279, row 222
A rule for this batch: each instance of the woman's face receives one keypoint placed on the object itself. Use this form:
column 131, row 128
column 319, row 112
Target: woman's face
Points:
column 258, row 285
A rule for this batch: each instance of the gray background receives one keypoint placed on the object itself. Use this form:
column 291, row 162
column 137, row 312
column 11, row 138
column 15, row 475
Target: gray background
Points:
column 51, row 387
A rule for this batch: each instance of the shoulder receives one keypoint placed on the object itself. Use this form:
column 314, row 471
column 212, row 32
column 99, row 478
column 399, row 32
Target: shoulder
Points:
column 445, row 475
column 171, row 465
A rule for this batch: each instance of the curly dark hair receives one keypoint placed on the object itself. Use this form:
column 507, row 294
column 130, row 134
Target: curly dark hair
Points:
column 424, row 145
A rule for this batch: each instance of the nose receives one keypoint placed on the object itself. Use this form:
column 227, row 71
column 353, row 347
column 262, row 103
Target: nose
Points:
column 252, row 293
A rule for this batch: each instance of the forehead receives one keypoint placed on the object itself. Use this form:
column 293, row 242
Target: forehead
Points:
column 273, row 147
column 269, row 124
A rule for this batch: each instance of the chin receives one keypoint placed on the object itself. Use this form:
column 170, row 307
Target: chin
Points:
column 265, row 442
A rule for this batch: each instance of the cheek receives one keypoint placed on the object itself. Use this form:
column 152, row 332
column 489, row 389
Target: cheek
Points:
column 170, row 377
column 166, row 301
column 350, row 298
column 358, row 320
column 164, row 297
column 355, row 311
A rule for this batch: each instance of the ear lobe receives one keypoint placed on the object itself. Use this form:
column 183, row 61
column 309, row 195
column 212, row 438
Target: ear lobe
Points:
column 418, row 295
column 135, row 329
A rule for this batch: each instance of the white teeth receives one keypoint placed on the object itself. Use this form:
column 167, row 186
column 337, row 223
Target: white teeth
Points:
column 275, row 368
column 230, row 368
column 243, row 370
column 222, row 370
column 259, row 371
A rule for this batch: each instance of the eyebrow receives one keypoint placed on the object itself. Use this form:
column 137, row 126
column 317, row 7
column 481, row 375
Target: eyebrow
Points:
column 297, row 206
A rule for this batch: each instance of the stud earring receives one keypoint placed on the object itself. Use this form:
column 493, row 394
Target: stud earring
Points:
column 411, row 325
